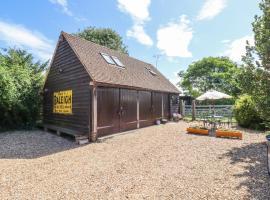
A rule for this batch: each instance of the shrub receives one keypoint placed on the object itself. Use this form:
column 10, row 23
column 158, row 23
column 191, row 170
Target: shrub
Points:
column 246, row 113
column 21, row 81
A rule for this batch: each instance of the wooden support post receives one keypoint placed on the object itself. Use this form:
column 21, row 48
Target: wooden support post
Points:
column 182, row 107
column 162, row 106
column 193, row 110
column 138, row 110
column 94, row 114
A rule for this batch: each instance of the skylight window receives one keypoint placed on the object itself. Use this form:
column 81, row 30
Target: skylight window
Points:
column 117, row 61
column 151, row 71
column 108, row 58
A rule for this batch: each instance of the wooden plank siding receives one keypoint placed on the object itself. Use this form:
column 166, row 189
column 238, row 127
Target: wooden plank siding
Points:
column 145, row 109
column 67, row 73
column 120, row 109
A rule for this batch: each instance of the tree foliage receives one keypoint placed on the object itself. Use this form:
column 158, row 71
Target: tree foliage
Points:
column 246, row 112
column 21, row 80
column 105, row 37
column 255, row 76
column 218, row 73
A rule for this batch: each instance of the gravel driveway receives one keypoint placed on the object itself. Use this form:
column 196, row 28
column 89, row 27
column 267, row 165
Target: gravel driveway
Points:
column 158, row 162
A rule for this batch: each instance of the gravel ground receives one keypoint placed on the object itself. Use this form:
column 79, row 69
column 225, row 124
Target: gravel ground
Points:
column 158, row 162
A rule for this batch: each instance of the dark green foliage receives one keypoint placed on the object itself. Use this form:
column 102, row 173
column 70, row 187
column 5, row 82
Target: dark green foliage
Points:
column 21, row 82
column 255, row 76
column 105, row 37
column 246, row 112
column 219, row 73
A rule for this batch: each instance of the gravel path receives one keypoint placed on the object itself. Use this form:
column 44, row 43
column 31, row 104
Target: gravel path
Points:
column 158, row 162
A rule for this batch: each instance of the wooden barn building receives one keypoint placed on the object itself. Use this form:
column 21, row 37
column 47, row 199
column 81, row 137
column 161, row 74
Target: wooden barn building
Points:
column 94, row 91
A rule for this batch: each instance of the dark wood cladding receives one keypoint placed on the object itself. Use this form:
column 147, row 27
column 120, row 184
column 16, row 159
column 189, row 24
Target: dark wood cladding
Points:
column 157, row 105
column 166, row 106
column 128, row 109
column 174, row 104
column 108, row 110
column 117, row 109
column 145, row 108
column 67, row 73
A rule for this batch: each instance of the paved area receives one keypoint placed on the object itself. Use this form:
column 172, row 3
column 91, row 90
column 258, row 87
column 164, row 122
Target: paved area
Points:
column 158, row 162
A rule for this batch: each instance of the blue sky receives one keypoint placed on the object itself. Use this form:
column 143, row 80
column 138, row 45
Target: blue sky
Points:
column 180, row 31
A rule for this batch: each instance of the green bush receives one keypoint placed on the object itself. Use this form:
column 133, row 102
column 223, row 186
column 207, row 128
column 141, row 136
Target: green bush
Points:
column 21, row 81
column 246, row 113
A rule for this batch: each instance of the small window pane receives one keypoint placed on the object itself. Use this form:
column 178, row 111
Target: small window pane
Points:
column 117, row 61
column 152, row 72
column 107, row 58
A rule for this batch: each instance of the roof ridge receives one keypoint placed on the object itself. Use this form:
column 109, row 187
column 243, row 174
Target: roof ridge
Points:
column 80, row 38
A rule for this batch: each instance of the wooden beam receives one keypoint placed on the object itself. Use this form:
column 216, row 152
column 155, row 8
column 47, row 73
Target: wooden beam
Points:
column 94, row 114
column 138, row 110
column 162, row 106
column 193, row 110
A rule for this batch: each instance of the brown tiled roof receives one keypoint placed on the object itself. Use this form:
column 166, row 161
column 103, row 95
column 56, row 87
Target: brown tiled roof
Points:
column 135, row 73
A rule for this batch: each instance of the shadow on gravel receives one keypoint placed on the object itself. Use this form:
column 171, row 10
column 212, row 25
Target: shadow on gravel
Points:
column 32, row 144
column 257, row 180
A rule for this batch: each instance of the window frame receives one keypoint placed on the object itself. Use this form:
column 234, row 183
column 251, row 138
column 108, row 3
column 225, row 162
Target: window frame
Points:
column 105, row 56
column 118, row 62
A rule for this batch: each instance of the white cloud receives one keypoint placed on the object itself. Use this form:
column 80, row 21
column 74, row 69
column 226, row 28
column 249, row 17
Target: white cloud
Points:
column 64, row 5
column 237, row 48
column 139, row 12
column 175, row 37
column 19, row 36
column 211, row 8
column 138, row 32
column 137, row 9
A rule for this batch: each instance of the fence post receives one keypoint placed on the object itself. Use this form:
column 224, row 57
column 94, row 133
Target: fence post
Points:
column 182, row 108
column 193, row 110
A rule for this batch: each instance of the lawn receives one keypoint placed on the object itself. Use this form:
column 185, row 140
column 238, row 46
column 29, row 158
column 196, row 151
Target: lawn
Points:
column 158, row 162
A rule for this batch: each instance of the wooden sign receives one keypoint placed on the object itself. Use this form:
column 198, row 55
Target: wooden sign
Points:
column 62, row 102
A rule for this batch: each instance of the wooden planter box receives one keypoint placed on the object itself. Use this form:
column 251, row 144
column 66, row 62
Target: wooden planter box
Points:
column 229, row 134
column 198, row 131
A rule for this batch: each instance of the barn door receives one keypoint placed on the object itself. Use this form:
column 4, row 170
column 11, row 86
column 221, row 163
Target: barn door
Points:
column 145, row 108
column 157, row 105
column 128, row 109
column 166, row 106
column 107, row 111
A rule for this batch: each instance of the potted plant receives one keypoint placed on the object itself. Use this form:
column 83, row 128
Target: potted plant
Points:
column 198, row 130
column 229, row 133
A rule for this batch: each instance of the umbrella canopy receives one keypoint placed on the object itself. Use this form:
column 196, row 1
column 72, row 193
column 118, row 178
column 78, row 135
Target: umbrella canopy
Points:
column 213, row 95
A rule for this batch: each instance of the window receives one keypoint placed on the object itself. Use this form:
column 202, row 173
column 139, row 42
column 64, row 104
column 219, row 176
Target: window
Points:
column 117, row 61
column 151, row 71
column 107, row 58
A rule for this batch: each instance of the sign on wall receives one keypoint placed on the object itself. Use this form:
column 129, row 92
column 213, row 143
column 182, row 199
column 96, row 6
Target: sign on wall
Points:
column 62, row 102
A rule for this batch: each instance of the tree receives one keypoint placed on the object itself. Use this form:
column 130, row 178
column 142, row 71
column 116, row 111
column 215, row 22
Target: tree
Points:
column 219, row 73
column 255, row 77
column 21, row 81
column 105, row 37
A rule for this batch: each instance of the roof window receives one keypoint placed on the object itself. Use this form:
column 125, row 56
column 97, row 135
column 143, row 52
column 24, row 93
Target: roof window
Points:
column 117, row 61
column 108, row 58
column 151, row 71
